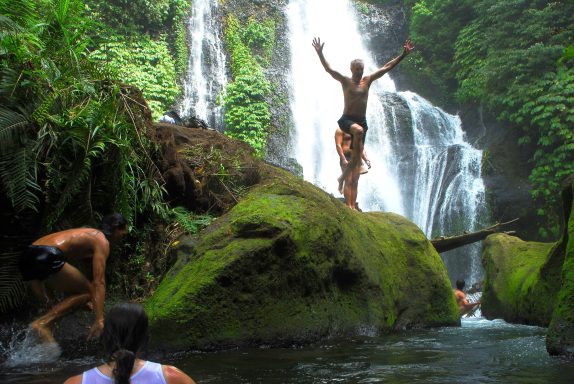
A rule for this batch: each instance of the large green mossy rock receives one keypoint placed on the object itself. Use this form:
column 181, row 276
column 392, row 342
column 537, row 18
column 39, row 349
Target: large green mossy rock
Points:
column 560, row 338
column 517, row 288
column 290, row 263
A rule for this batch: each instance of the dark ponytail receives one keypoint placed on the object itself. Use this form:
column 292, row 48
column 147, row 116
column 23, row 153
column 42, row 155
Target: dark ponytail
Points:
column 125, row 335
column 124, row 360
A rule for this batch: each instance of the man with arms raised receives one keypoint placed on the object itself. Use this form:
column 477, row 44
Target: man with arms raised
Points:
column 46, row 264
column 356, row 94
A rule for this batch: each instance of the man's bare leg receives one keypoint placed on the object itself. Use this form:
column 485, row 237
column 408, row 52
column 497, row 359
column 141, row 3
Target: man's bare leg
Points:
column 43, row 325
column 357, row 133
column 347, row 192
column 39, row 290
column 68, row 280
column 354, row 184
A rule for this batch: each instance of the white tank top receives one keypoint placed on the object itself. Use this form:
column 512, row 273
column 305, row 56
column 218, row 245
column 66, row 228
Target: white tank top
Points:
column 150, row 373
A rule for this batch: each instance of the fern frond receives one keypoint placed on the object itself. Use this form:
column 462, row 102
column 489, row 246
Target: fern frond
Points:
column 14, row 127
column 76, row 179
column 12, row 288
column 19, row 178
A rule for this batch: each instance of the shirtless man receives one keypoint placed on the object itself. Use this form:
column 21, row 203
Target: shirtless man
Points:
column 356, row 94
column 464, row 306
column 45, row 264
column 350, row 190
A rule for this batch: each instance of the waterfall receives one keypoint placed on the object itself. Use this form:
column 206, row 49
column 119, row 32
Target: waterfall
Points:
column 206, row 76
column 422, row 167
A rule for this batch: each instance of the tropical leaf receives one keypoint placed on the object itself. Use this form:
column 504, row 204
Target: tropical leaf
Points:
column 14, row 129
column 12, row 288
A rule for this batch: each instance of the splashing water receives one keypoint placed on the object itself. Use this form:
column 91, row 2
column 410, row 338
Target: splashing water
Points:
column 25, row 348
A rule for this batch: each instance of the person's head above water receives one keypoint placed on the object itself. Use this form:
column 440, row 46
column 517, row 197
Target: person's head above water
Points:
column 460, row 284
column 114, row 225
column 125, row 335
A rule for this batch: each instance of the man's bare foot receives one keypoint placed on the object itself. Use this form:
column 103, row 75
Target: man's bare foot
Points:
column 341, row 184
column 43, row 332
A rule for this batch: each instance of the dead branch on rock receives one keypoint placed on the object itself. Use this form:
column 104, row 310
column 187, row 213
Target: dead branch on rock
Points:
column 443, row 244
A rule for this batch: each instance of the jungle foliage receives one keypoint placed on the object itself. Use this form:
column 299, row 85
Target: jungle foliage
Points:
column 75, row 140
column 515, row 58
column 247, row 114
column 145, row 42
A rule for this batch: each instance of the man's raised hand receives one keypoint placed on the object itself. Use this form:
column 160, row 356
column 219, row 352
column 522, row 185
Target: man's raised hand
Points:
column 408, row 47
column 318, row 45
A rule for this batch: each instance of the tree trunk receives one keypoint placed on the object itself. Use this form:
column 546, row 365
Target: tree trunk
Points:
column 443, row 244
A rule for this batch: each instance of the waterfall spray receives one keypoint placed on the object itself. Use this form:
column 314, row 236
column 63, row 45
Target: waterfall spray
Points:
column 206, row 76
column 422, row 166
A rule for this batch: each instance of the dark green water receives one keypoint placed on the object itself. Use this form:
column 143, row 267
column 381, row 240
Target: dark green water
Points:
column 480, row 351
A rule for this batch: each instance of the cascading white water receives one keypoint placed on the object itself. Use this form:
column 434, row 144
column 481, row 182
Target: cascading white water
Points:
column 422, row 167
column 206, row 76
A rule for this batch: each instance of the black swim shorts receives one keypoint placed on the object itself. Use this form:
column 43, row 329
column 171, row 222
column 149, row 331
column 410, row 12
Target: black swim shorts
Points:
column 346, row 121
column 38, row 262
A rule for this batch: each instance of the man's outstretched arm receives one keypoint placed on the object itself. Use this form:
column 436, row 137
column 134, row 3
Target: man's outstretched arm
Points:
column 319, row 49
column 408, row 47
column 99, row 287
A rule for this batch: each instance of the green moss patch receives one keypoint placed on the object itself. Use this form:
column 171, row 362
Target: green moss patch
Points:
column 515, row 289
column 290, row 263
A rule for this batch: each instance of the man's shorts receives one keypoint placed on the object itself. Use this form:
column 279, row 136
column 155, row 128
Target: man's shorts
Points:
column 346, row 121
column 38, row 262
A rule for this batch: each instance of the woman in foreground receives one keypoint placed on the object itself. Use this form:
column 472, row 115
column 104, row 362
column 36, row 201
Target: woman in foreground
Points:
column 125, row 335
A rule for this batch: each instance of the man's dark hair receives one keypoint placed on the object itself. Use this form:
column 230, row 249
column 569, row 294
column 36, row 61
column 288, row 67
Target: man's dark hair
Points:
column 460, row 284
column 112, row 222
column 125, row 335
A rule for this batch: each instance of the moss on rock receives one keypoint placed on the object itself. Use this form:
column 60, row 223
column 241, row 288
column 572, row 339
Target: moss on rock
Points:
column 516, row 288
column 560, row 337
column 289, row 263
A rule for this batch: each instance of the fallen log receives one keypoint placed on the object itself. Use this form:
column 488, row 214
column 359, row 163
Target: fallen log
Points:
column 443, row 244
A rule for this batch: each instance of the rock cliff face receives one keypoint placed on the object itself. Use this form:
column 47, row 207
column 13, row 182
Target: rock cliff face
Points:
column 515, row 289
column 290, row 263
column 533, row 283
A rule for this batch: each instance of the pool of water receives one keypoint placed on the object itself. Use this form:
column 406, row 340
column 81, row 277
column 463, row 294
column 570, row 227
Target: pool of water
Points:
column 480, row 351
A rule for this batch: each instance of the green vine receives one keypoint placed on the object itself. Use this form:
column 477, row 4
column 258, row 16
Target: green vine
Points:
column 247, row 113
column 129, row 58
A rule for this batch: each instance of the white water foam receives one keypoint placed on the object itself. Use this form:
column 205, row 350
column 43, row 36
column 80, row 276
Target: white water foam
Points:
column 25, row 348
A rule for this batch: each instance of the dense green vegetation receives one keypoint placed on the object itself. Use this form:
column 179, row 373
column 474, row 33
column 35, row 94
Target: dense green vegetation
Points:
column 75, row 140
column 511, row 56
column 247, row 114
column 145, row 43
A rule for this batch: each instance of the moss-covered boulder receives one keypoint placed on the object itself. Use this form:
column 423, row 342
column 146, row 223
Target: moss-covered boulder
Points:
column 516, row 287
column 560, row 338
column 533, row 283
column 290, row 263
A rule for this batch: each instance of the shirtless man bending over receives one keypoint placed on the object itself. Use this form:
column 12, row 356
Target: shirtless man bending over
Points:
column 45, row 264
column 464, row 306
column 356, row 94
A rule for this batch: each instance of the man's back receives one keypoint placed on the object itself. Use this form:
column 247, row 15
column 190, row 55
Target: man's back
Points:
column 77, row 242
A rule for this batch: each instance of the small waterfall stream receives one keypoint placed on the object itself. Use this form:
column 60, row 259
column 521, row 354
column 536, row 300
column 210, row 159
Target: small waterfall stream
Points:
column 206, row 75
column 422, row 166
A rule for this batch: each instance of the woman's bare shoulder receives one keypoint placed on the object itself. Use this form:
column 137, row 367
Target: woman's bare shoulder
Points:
column 175, row 375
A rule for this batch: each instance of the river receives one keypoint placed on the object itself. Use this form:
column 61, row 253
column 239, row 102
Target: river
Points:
column 480, row 351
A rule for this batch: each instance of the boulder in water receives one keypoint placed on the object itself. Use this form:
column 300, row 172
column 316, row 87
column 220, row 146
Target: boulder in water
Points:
column 291, row 264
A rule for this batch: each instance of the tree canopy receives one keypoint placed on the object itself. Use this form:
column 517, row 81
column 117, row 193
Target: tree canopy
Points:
column 515, row 58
